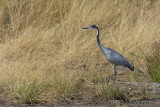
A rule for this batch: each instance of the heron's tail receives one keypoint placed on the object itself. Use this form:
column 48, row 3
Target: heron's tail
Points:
column 131, row 67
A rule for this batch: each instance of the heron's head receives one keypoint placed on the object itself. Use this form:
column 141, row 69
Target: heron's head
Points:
column 90, row 27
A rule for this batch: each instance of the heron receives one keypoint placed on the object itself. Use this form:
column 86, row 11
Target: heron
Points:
column 112, row 56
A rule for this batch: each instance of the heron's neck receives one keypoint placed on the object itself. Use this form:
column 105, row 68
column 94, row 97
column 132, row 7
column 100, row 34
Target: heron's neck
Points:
column 98, row 41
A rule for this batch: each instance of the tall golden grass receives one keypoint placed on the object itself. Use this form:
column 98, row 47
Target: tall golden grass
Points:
column 42, row 43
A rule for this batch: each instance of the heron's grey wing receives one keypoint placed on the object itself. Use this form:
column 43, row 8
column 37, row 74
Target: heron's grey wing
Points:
column 118, row 59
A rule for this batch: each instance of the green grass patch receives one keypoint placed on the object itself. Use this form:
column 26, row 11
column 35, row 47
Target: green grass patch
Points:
column 153, row 63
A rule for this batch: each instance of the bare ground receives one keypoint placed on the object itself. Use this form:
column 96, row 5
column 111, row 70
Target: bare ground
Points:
column 133, row 90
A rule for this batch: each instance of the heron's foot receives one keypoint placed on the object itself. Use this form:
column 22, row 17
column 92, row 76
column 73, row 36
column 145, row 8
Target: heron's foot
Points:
column 114, row 77
column 115, row 73
column 111, row 77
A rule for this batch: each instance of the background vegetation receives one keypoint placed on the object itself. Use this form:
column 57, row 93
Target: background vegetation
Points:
column 46, row 56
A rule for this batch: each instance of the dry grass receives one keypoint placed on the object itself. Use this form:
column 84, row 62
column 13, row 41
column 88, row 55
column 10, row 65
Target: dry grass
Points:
column 42, row 42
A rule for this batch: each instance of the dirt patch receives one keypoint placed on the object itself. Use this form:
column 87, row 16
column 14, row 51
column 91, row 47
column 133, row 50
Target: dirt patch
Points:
column 113, row 103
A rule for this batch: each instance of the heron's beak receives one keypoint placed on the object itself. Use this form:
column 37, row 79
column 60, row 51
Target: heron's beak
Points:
column 85, row 27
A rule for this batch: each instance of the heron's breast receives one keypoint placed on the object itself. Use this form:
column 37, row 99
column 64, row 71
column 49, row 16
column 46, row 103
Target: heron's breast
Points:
column 107, row 53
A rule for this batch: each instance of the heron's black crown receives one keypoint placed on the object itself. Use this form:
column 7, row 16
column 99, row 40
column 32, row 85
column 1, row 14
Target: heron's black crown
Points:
column 93, row 26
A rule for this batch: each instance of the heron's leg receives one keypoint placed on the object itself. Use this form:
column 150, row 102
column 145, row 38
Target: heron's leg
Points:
column 115, row 72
